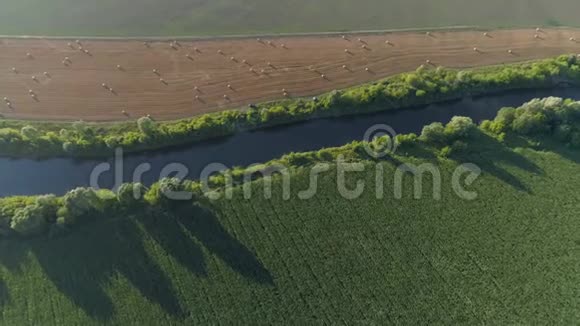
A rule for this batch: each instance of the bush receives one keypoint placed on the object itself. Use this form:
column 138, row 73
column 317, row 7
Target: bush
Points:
column 77, row 205
column 460, row 127
column 147, row 126
column 130, row 195
column 434, row 133
column 34, row 219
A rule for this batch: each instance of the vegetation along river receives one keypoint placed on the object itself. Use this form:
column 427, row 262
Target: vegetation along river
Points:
column 57, row 176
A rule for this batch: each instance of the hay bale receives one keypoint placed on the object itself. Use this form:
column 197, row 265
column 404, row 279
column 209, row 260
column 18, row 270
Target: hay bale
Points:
column 119, row 67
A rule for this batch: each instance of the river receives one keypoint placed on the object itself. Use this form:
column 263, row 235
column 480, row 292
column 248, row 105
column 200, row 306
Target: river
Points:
column 57, row 176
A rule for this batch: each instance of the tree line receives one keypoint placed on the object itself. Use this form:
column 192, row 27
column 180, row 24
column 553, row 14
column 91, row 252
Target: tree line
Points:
column 422, row 86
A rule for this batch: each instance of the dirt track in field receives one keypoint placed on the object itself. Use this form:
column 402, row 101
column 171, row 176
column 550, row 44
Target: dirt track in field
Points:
column 73, row 90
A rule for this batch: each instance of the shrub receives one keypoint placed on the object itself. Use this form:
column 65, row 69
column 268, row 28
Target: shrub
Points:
column 434, row 133
column 77, row 204
column 147, row 126
column 29, row 132
column 460, row 127
column 29, row 221
column 130, row 195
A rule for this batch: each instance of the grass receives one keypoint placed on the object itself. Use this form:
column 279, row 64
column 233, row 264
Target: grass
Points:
column 509, row 257
column 217, row 17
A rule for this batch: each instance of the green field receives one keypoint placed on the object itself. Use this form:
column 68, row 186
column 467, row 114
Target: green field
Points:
column 204, row 17
column 509, row 257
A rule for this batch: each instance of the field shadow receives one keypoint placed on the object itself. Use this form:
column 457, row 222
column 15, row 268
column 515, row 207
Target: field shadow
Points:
column 544, row 143
column 202, row 224
column 489, row 154
column 83, row 264
column 4, row 295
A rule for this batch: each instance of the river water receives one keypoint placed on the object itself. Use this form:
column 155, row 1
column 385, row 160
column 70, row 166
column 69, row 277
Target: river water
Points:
column 57, row 176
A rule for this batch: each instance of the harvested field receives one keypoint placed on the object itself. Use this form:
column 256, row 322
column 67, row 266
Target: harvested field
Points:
column 116, row 80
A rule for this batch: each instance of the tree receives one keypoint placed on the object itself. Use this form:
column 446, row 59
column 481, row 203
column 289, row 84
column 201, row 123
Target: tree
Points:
column 131, row 194
column 434, row 133
column 29, row 132
column 77, row 204
column 29, row 221
column 460, row 127
column 147, row 126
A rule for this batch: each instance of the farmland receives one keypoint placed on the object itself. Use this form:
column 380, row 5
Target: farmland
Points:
column 200, row 17
column 326, row 258
column 105, row 80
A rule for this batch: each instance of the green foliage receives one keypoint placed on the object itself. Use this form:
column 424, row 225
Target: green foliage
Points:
column 434, row 133
column 460, row 127
column 405, row 261
column 547, row 118
column 131, row 195
column 147, row 126
column 416, row 88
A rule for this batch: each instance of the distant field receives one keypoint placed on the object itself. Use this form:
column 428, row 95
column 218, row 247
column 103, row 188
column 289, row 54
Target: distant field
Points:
column 511, row 257
column 255, row 72
column 205, row 17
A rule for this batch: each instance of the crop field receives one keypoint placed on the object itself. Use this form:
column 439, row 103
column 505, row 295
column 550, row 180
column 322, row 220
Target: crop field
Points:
column 92, row 80
column 325, row 259
column 202, row 17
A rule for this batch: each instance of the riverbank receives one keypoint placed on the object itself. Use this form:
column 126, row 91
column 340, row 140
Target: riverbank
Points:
column 44, row 140
column 552, row 120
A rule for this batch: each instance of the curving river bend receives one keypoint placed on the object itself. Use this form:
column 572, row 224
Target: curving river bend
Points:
column 57, row 176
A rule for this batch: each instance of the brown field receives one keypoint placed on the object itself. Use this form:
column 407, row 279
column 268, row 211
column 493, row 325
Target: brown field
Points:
column 74, row 91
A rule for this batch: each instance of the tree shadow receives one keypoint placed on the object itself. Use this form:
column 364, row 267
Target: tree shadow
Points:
column 204, row 225
column 82, row 264
column 4, row 295
column 176, row 240
column 489, row 154
column 545, row 143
